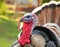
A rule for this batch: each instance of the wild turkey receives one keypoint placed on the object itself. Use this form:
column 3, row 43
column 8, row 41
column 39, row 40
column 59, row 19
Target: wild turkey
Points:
column 49, row 13
column 43, row 34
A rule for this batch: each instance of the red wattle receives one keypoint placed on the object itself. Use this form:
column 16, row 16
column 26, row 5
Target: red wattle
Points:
column 25, row 37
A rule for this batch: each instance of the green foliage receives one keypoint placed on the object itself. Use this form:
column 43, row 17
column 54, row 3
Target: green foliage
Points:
column 10, row 14
column 44, row 1
column 1, row 2
column 3, row 9
column 8, row 32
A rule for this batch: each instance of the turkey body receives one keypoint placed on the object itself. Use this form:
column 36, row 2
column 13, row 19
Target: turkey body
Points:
column 38, row 39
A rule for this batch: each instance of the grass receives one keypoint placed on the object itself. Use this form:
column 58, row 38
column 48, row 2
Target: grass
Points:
column 8, row 32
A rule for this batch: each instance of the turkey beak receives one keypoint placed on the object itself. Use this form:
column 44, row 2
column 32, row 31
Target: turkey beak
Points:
column 20, row 20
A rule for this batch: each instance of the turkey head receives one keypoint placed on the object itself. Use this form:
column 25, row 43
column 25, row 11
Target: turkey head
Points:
column 29, row 22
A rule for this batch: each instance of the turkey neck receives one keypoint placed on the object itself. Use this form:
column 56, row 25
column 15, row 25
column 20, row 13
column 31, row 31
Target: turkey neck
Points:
column 26, row 31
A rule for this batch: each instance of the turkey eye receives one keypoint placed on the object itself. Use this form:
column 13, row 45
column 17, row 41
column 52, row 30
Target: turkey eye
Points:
column 28, row 16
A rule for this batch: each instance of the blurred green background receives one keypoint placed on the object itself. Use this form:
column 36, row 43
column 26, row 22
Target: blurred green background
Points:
column 8, row 26
column 8, row 23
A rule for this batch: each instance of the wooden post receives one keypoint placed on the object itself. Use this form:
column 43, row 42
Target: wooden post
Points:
column 39, row 2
